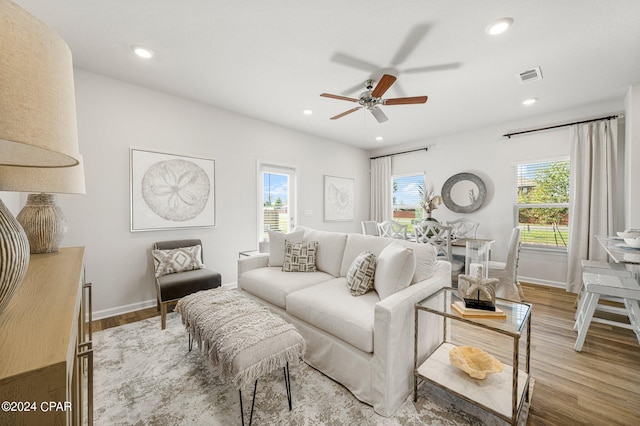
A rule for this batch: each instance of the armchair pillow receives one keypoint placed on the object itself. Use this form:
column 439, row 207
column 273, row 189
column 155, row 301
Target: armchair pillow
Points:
column 177, row 260
column 361, row 273
column 395, row 268
column 299, row 257
column 276, row 245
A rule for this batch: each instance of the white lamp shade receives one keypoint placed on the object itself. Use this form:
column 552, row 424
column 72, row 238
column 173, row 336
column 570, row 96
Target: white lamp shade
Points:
column 63, row 180
column 38, row 125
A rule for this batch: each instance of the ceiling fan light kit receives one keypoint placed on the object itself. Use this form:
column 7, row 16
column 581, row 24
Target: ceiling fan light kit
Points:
column 371, row 98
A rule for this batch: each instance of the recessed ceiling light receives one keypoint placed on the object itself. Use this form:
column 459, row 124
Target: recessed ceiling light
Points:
column 379, row 138
column 500, row 26
column 529, row 101
column 307, row 111
column 142, row 52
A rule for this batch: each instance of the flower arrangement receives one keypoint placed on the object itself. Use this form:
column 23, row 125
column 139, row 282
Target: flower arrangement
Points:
column 429, row 200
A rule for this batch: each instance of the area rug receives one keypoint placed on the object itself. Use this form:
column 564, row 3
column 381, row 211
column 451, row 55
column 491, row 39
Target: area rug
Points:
column 146, row 376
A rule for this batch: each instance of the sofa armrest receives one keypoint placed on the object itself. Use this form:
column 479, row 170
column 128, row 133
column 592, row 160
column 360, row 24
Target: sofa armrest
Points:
column 393, row 352
column 248, row 263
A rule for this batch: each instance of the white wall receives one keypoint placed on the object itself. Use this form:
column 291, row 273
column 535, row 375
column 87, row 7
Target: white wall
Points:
column 114, row 116
column 492, row 157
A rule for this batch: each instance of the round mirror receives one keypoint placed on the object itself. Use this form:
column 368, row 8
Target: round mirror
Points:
column 464, row 193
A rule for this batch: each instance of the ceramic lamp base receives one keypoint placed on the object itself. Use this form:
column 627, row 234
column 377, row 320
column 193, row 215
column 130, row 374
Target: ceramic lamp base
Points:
column 43, row 222
column 14, row 255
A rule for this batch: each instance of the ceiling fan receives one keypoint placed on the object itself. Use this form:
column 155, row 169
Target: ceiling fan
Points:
column 371, row 98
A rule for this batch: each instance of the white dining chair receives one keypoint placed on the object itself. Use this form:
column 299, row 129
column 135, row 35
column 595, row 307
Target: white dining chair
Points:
column 392, row 229
column 463, row 228
column 370, row 227
column 439, row 236
column 507, row 272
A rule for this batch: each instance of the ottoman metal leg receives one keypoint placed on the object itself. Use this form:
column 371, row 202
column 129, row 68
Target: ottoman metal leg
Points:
column 287, row 383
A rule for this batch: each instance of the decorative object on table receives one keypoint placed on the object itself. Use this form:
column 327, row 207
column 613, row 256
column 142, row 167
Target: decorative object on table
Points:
column 474, row 361
column 41, row 217
column 429, row 200
column 477, row 256
column 464, row 193
column 170, row 191
column 465, row 312
column 338, row 199
column 629, row 233
column 38, row 114
column 632, row 242
column 477, row 291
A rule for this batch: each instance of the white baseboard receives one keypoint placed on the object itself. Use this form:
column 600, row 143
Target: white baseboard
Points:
column 112, row 312
column 542, row 282
column 230, row 285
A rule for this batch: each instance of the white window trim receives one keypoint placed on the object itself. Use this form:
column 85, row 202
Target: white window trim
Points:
column 275, row 167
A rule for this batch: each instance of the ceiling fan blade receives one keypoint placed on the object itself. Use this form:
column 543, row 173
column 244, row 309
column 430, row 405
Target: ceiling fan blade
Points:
column 429, row 68
column 406, row 101
column 357, row 88
column 342, row 98
column 344, row 113
column 383, row 85
column 409, row 44
column 352, row 62
column 379, row 115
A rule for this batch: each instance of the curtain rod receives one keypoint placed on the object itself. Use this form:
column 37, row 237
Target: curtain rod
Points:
column 508, row 135
column 399, row 153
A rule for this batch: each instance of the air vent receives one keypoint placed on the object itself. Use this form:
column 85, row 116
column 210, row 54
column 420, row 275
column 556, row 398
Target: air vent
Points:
column 534, row 74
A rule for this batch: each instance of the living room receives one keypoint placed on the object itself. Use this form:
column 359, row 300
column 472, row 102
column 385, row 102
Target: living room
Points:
column 115, row 115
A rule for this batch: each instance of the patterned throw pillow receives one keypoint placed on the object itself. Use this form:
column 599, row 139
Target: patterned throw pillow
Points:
column 177, row 260
column 300, row 257
column 361, row 273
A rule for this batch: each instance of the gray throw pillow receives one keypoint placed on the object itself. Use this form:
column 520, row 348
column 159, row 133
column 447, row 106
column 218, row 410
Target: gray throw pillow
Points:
column 361, row 273
column 300, row 257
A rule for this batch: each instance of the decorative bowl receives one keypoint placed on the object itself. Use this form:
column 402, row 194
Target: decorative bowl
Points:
column 633, row 242
column 629, row 234
column 474, row 361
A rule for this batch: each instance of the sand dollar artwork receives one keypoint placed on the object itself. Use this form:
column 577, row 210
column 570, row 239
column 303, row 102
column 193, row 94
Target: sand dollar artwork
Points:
column 341, row 199
column 176, row 190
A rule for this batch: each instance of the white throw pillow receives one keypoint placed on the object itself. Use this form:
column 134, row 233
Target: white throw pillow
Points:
column 395, row 268
column 361, row 274
column 276, row 245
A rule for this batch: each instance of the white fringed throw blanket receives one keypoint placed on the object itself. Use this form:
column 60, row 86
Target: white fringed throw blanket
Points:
column 239, row 335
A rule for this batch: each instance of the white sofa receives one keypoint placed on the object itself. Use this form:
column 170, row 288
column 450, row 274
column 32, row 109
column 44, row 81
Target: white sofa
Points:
column 365, row 343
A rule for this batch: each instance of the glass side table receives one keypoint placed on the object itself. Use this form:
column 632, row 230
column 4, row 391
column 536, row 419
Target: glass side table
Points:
column 502, row 394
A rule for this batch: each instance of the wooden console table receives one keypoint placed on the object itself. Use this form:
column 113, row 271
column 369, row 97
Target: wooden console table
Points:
column 44, row 343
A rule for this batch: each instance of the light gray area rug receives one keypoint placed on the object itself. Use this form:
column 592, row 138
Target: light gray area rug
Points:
column 146, row 376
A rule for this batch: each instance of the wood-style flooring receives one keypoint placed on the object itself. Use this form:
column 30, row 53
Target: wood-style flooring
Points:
column 598, row 386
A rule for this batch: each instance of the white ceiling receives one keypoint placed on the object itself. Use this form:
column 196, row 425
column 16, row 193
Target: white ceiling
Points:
column 271, row 59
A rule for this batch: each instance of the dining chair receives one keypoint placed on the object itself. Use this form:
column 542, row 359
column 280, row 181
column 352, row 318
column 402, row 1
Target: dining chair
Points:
column 392, row 229
column 439, row 236
column 463, row 228
column 507, row 272
column 370, row 227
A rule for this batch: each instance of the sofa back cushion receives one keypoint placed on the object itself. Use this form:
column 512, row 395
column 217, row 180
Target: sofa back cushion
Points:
column 395, row 268
column 330, row 249
column 357, row 243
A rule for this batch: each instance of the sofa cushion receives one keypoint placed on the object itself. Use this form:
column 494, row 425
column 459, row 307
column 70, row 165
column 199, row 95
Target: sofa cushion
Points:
column 396, row 265
column 273, row 285
column 329, row 307
column 361, row 273
column 330, row 249
column 426, row 258
column 276, row 245
column 299, row 257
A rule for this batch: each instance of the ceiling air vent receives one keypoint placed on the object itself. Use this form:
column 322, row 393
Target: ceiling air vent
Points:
column 534, row 74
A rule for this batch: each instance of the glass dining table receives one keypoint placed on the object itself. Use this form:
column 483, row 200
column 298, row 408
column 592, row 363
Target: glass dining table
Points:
column 620, row 251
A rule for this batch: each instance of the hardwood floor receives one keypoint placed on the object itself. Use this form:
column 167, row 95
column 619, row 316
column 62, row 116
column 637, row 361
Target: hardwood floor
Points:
column 598, row 386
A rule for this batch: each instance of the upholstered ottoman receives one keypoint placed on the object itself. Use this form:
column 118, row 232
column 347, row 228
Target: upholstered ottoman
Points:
column 243, row 338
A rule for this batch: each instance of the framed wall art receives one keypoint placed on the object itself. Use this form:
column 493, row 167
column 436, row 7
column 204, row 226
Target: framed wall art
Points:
column 170, row 191
column 338, row 199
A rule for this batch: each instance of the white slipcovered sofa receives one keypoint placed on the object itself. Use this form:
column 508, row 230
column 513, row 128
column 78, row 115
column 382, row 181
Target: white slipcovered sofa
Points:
column 363, row 342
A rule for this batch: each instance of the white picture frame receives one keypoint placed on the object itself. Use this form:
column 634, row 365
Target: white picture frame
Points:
column 170, row 191
column 338, row 199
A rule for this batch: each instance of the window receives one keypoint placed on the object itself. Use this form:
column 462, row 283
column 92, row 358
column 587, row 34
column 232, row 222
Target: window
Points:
column 406, row 199
column 543, row 203
column 276, row 199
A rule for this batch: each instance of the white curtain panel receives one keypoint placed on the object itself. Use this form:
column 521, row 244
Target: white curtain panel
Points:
column 593, row 155
column 381, row 189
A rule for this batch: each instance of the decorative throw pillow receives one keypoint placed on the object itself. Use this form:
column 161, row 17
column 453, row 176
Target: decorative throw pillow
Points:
column 361, row 273
column 177, row 260
column 299, row 257
column 276, row 245
column 396, row 265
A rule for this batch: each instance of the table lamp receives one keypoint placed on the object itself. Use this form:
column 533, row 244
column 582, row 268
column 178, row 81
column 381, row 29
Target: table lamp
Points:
column 38, row 125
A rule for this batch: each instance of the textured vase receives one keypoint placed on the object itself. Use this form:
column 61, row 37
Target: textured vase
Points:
column 43, row 222
column 14, row 255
